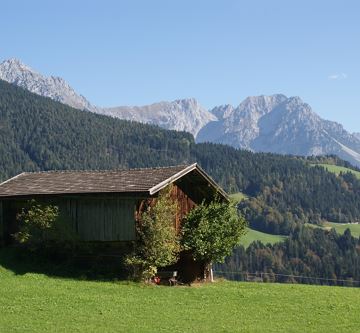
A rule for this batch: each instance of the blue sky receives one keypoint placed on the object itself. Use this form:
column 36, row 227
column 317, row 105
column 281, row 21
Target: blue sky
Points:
column 139, row 52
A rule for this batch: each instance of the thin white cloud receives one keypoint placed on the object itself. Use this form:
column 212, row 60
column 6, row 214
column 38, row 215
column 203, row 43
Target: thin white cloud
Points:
column 339, row 76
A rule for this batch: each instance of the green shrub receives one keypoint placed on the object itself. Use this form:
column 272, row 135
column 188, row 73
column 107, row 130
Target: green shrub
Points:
column 211, row 231
column 158, row 243
column 36, row 223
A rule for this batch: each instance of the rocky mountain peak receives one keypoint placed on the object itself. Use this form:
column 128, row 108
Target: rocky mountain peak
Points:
column 187, row 104
column 181, row 115
column 297, row 107
column 222, row 111
column 56, row 88
column 281, row 125
column 14, row 65
column 261, row 104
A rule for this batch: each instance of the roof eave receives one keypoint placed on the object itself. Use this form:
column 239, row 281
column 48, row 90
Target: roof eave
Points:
column 182, row 173
column 213, row 183
column 12, row 178
column 172, row 179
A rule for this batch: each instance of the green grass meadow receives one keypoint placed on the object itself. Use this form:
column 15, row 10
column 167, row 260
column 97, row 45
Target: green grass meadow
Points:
column 237, row 197
column 340, row 227
column 34, row 302
column 337, row 169
column 254, row 235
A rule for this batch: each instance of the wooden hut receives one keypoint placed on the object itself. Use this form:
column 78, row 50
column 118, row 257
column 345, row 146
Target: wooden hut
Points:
column 103, row 206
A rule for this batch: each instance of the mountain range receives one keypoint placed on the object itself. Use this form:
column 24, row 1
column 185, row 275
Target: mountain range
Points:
column 276, row 123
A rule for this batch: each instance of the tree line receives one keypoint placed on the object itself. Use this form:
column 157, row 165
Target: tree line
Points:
column 309, row 255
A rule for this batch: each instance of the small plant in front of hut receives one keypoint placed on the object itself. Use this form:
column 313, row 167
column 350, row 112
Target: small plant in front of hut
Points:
column 35, row 224
column 158, row 243
column 211, row 231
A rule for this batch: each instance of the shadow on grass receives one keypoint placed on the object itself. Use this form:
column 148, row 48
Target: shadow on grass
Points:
column 82, row 267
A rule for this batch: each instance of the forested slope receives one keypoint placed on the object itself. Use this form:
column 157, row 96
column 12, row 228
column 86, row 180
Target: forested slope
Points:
column 308, row 255
column 37, row 133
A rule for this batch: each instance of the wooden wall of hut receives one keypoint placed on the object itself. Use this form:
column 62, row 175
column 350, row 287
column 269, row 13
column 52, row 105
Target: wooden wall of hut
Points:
column 96, row 217
column 92, row 218
column 1, row 225
column 184, row 205
column 184, row 202
column 101, row 219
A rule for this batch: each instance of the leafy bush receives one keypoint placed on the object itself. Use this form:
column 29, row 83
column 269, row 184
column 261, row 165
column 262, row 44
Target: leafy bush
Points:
column 211, row 231
column 158, row 243
column 42, row 227
column 36, row 223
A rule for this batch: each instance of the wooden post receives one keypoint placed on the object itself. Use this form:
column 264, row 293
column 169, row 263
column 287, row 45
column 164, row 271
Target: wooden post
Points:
column 211, row 273
column 208, row 273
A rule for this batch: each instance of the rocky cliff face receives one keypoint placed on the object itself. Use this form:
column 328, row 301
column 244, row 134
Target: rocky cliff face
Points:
column 280, row 125
column 239, row 126
column 14, row 71
column 181, row 115
column 357, row 135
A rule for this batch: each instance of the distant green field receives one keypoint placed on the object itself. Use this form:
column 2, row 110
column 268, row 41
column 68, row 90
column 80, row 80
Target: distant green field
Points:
column 237, row 197
column 31, row 302
column 337, row 169
column 340, row 227
column 253, row 235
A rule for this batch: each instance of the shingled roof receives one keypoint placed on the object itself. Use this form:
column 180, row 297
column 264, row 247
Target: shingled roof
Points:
column 149, row 180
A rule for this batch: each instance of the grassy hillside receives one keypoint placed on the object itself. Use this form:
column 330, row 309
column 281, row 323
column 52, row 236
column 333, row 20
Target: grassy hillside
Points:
column 337, row 169
column 340, row 227
column 238, row 196
column 254, row 235
column 38, row 303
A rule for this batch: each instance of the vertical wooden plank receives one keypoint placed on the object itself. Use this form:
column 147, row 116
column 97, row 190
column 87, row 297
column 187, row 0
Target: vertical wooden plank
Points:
column 92, row 213
column 98, row 222
column 107, row 218
column 117, row 220
column 81, row 218
column 122, row 220
column 130, row 218
column 114, row 213
column 71, row 203
column 1, row 225
column 83, row 226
